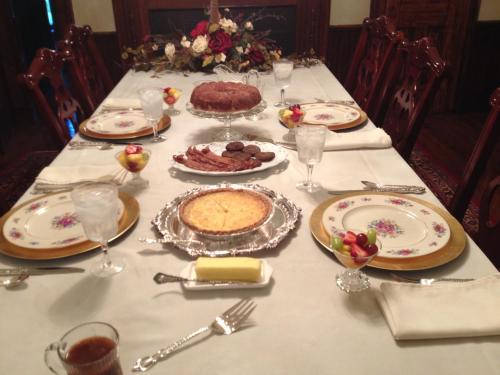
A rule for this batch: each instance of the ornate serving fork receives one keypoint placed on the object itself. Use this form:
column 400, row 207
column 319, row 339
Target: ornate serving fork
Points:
column 225, row 324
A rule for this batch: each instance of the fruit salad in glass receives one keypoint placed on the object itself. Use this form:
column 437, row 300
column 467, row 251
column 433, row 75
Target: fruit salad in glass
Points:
column 354, row 249
column 134, row 158
column 170, row 97
column 291, row 117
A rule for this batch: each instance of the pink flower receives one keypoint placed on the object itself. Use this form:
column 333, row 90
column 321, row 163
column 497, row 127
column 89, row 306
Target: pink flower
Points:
column 200, row 29
column 256, row 56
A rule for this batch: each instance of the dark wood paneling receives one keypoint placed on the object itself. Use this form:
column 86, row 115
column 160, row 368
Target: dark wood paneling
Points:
column 107, row 43
column 133, row 17
column 342, row 42
column 481, row 74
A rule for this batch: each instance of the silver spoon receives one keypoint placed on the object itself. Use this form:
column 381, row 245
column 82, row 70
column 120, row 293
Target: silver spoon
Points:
column 397, row 188
column 15, row 281
column 99, row 146
column 196, row 243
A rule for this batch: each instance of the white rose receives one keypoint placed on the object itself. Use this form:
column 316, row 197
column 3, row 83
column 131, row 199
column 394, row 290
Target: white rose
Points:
column 220, row 57
column 228, row 26
column 185, row 43
column 170, row 51
column 239, row 49
column 248, row 26
column 200, row 44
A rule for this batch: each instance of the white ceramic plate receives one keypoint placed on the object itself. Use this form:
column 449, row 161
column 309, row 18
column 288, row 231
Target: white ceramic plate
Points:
column 405, row 228
column 48, row 223
column 218, row 147
column 189, row 272
column 122, row 122
column 329, row 114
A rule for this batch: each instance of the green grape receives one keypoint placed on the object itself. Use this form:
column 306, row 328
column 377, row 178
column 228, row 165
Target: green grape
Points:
column 337, row 243
column 372, row 236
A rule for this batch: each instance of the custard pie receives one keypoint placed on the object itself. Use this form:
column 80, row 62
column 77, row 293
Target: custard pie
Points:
column 225, row 211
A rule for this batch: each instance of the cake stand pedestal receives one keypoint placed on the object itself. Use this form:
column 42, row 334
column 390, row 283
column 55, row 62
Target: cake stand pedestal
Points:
column 227, row 133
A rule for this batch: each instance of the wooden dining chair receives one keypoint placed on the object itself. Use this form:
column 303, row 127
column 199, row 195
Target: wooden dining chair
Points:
column 376, row 47
column 88, row 67
column 57, row 106
column 488, row 233
column 407, row 91
column 478, row 160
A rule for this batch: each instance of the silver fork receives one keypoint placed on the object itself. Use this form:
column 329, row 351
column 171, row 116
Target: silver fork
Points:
column 225, row 324
column 428, row 281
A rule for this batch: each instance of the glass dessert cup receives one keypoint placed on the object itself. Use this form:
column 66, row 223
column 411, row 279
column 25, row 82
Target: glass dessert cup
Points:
column 291, row 125
column 97, row 208
column 135, row 163
column 170, row 100
column 352, row 280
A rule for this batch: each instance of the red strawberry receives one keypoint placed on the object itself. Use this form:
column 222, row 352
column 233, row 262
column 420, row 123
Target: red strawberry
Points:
column 359, row 251
column 133, row 149
column 350, row 238
column 170, row 100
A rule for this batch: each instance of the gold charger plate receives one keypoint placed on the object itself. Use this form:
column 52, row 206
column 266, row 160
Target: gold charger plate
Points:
column 347, row 125
column 447, row 253
column 164, row 124
column 128, row 219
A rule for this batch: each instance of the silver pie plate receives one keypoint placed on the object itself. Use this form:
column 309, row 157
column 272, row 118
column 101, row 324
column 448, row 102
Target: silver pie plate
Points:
column 226, row 115
column 283, row 220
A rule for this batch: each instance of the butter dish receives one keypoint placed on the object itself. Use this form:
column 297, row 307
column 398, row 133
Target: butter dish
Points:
column 189, row 272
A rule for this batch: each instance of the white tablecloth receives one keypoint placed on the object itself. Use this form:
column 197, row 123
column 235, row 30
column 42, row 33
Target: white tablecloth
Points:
column 303, row 323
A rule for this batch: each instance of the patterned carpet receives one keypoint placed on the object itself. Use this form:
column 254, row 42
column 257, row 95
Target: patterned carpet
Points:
column 18, row 177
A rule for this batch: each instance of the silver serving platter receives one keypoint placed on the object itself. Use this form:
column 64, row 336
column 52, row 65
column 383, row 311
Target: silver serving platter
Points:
column 283, row 220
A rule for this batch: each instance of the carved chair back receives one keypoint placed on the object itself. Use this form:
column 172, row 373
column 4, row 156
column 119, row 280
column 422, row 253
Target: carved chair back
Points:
column 489, row 222
column 88, row 69
column 57, row 107
column 478, row 160
column 408, row 90
column 376, row 47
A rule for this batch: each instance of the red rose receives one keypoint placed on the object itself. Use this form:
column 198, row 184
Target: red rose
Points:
column 200, row 29
column 256, row 56
column 220, row 41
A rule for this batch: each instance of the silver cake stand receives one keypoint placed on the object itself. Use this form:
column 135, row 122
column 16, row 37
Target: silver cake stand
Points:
column 227, row 133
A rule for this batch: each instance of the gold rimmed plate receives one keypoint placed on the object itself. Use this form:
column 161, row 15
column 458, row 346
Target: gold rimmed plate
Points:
column 335, row 116
column 127, row 124
column 444, row 254
column 25, row 229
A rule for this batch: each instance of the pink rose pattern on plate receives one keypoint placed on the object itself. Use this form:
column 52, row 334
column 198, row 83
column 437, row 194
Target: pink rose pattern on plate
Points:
column 124, row 124
column 386, row 228
column 16, row 234
column 35, row 206
column 66, row 241
column 439, row 229
column 399, row 202
column 344, row 204
column 403, row 252
column 67, row 220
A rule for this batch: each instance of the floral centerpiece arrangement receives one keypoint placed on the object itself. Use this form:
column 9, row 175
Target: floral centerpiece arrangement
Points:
column 227, row 40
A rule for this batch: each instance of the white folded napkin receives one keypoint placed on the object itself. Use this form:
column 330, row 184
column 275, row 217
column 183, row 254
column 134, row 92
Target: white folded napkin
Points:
column 373, row 138
column 60, row 177
column 442, row 310
column 125, row 103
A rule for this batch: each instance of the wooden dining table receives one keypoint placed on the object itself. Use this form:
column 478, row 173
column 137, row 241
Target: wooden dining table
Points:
column 303, row 323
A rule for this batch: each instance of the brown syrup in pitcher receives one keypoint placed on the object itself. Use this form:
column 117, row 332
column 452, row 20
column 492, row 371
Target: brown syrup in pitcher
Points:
column 90, row 350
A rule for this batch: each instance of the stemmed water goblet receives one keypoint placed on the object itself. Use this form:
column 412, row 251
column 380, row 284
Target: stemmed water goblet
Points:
column 310, row 141
column 152, row 104
column 354, row 256
column 282, row 70
column 97, row 208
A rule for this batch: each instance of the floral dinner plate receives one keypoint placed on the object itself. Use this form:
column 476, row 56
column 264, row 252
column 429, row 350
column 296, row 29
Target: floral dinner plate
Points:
column 47, row 227
column 335, row 116
column 404, row 227
column 126, row 121
column 415, row 234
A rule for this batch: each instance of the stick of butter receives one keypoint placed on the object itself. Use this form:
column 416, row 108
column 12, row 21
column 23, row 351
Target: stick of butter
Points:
column 230, row 268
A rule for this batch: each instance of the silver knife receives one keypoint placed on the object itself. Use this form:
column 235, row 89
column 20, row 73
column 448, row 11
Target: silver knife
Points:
column 38, row 270
column 408, row 190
